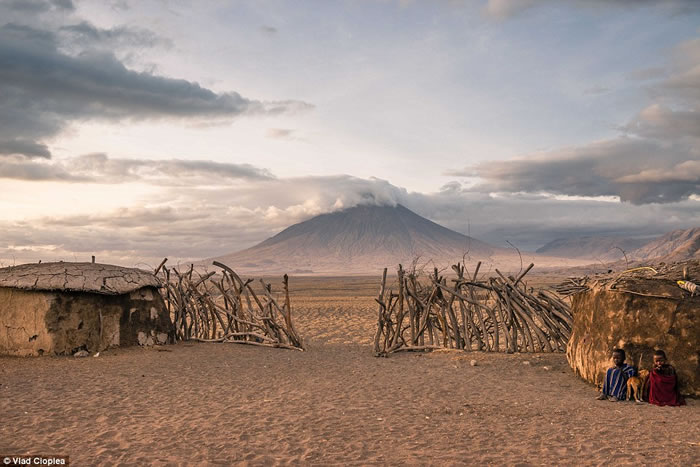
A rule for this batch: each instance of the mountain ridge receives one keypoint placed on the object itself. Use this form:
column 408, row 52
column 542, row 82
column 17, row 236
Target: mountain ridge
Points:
column 365, row 239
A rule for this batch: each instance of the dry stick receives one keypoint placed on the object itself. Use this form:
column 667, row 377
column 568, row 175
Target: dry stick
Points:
column 399, row 331
column 477, row 311
column 411, row 311
column 162, row 263
column 446, row 342
column 563, row 317
column 288, row 316
column 201, row 280
column 511, row 317
column 494, row 337
column 213, row 310
column 459, row 269
column 269, row 319
column 251, row 324
column 524, row 272
column 543, row 309
column 456, row 334
column 380, row 324
column 418, row 307
column 516, row 323
column 231, row 324
column 520, row 324
column 416, row 348
column 527, row 320
column 390, row 331
column 412, row 308
column 259, row 344
column 460, row 296
column 506, row 333
column 452, row 330
column 538, row 331
column 465, row 333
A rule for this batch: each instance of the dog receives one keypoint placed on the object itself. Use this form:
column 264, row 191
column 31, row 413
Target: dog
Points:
column 639, row 386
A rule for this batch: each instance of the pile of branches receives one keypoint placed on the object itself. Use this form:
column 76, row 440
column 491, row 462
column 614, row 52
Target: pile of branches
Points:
column 619, row 280
column 224, row 308
column 494, row 314
column 572, row 286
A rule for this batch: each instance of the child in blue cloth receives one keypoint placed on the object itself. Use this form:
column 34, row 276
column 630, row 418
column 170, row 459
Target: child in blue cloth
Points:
column 615, row 385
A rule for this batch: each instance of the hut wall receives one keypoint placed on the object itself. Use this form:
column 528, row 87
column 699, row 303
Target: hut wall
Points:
column 606, row 319
column 39, row 322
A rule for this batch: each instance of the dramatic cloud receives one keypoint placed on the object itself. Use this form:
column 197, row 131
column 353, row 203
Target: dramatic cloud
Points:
column 660, row 122
column 39, row 6
column 19, row 168
column 44, row 88
column 99, row 168
column 190, row 222
column 597, row 169
column 503, row 9
column 655, row 162
column 26, row 148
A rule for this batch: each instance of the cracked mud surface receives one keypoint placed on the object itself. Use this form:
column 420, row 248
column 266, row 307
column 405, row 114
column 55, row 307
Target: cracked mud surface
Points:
column 77, row 277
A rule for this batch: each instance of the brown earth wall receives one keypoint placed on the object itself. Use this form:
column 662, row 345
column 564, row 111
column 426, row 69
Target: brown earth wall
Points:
column 606, row 319
column 39, row 322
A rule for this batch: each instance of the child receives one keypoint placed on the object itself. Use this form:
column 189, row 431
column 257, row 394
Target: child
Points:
column 663, row 382
column 615, row 385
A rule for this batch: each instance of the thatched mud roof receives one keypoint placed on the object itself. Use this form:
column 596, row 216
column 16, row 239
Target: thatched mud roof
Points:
column 654, row 280
column 77, row 277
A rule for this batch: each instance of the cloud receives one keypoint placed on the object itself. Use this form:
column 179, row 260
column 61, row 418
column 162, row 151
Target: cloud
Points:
column 44, row 89
column 505, row 9
column 685, row 172
column 191, row 222
column 502, row 9
column 593, row 170
column 660, row 122
column 39, row 6
column 26, row 148
column 19, row 168
column 269, row 30
column 86, row 34
column 653, row 161
column 99, row 168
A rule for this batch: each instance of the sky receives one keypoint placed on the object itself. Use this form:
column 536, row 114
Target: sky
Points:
column 136, row 130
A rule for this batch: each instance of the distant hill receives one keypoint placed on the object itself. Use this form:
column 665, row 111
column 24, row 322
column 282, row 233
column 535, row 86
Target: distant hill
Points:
column 604, row 248
column 365, row 239
column 678, row 245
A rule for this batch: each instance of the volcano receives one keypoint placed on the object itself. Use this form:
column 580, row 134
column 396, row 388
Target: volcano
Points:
column 363, row 239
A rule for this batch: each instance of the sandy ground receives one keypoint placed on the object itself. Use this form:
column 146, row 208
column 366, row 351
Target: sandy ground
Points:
column 335, row 404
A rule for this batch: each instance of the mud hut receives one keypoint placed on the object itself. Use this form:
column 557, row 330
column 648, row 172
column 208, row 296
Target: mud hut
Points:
column 638, row 310
column 59, row 308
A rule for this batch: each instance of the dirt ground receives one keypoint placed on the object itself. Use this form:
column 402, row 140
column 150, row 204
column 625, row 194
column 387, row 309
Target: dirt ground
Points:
column 334, row 404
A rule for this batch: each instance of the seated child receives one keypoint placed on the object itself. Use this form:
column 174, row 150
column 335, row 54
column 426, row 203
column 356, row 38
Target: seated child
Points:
column 663, row 382
column 615, row 385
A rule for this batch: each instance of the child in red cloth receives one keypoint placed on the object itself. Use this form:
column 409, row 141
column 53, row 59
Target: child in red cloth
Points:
column 663, row 382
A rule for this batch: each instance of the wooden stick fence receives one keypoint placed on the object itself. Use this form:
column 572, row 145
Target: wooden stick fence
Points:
column 211, row 308
column 497, row 314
